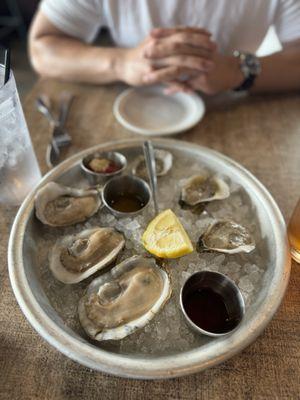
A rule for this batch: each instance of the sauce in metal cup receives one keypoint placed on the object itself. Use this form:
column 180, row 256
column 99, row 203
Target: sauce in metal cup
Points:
column 212, row 303
column 101, row 177
column 126, row 195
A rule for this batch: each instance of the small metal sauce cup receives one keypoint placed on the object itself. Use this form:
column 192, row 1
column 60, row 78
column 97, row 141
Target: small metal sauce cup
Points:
column 126, row 185
column 221, row 285
column 102, row 177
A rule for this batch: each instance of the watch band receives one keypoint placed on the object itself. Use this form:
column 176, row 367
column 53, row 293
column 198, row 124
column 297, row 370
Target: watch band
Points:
column 246, row 84
column 250, row 67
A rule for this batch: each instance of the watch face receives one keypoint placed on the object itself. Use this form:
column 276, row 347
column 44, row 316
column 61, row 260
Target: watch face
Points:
column 251, row 65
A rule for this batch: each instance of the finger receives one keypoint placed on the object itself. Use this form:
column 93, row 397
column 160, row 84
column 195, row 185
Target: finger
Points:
column 196, row 63
column 202, row 83
column 179, row 39
column 160, row 48
column 175, row 87
column 165, row 74
column 194, row 39
column 164, row 32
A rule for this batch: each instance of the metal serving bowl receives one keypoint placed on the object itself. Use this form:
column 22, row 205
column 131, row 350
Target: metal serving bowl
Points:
column 31, row 296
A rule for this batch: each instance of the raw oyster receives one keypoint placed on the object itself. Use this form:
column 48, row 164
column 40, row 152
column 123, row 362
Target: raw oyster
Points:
column 226, row 236
column 125, row 299
column 76, row 257
column 58, row 205
column 163, row 160
column 203, row 188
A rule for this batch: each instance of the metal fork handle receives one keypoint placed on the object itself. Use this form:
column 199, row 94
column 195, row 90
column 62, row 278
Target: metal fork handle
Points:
column 52, row 155
column 65, row 104
column 44, row 109
column 62, row 140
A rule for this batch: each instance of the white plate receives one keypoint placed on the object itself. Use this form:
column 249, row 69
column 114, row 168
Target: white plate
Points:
column 149, row 111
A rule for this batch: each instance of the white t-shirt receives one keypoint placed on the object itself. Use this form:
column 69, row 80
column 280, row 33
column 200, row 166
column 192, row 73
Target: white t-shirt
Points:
column 235, row 24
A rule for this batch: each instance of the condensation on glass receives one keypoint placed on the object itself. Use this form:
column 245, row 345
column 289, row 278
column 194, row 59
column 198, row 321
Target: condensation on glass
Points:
column 19, row 170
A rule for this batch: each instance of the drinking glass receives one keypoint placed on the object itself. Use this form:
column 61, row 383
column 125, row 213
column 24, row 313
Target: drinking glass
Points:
column 294, row 233
column 19, row 170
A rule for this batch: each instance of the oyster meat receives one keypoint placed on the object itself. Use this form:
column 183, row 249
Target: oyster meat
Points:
column 203, row 188
column 76, row 257
column 163, row 161
column 226, row 236
column 58, row 205
column 125, row 299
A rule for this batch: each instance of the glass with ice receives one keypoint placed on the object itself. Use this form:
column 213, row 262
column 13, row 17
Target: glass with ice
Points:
column 19, row 170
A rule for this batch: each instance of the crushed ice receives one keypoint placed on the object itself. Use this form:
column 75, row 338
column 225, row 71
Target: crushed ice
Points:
column 167, row 332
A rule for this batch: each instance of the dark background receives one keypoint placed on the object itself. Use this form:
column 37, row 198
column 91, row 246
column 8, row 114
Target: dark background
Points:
column 15, row 17
column 27, row 7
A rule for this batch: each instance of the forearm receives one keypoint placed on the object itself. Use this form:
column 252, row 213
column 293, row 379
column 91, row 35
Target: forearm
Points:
column 69, row 59
column 279, row 71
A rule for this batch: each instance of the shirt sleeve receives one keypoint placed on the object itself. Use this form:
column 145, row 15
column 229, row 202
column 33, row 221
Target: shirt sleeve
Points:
column 78, row 18
column 287, row 20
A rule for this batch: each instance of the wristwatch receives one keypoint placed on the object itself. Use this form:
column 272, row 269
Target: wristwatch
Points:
column 250, row 67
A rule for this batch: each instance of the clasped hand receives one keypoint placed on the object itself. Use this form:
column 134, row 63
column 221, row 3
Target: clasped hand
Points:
column 185, row 59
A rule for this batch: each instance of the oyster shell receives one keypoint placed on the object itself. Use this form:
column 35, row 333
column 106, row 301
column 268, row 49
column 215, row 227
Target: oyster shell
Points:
column 58, row 205
column 203, row 188
column 76, row 257
column 125, row 299
column 226, row 236
column 163, row 159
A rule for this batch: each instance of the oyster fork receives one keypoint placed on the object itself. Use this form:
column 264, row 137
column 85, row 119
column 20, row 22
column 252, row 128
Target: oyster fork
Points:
column 60, row 137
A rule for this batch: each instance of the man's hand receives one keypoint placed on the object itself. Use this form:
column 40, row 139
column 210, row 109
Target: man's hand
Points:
column 226, row 75
column 202, row 69
column 181, row 47
column 131, row 66
column 168, row 52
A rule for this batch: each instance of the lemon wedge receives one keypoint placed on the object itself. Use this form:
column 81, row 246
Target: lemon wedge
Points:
column 165, row 237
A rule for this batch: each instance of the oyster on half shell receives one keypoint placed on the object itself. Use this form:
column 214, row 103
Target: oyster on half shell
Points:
column 58, row 205
column 76, row 257
column 163, row 161
column 125, row 299
column 203, row 188
column 226, row 236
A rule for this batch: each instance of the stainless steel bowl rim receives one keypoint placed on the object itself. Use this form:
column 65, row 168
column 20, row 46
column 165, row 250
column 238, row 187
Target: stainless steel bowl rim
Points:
column 161, row 367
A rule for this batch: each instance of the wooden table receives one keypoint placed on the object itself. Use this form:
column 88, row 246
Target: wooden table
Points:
column 263, row 134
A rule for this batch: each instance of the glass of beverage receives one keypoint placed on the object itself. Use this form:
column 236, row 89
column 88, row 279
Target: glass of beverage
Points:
column 294, row 233
column 19, row 170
